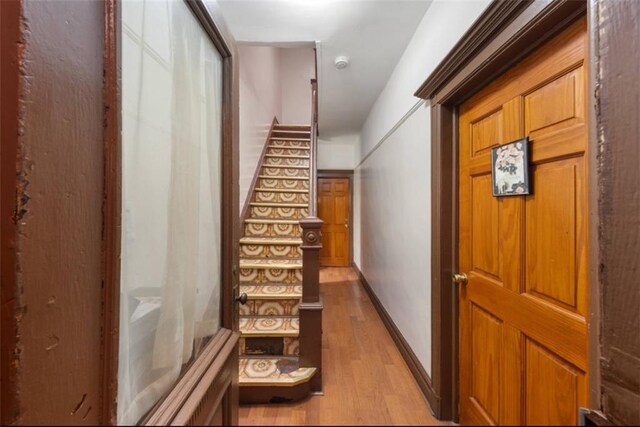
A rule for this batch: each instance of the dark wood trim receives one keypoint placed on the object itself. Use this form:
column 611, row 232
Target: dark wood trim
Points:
column 10, row 207
column 511, row 34
column 187, row 394
column 335, row 173
column 310, row 311
column 614, row 190
column 343, row 173
column 416, row 368
column 497, row 15
column 111, row 231
column 250, row 196
column 504, row 34
column 594, row 214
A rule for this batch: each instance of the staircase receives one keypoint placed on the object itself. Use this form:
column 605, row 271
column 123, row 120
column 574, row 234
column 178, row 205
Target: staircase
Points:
column 271, row 271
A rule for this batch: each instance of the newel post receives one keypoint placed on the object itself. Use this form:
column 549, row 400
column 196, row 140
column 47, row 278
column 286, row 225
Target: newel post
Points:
column 311, row 306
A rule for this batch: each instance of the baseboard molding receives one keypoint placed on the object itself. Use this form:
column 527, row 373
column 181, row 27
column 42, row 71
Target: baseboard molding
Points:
column 416, row 368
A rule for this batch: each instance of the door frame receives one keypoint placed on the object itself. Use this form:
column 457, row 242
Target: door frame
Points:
column 343, row 173
column 199, row 390
column 506, row 32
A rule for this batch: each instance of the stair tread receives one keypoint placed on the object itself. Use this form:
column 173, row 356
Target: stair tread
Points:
column 284, row 138
column 271, row 241
column 292, row 125
column 280, row 204
column 283, row 264
column 278, row 372
column 288, row 147
column 281, row 190
column 269, row 326
column 290, row 178
column 272, row 291
column 272, row 221
column 268, row 165
column 287, row 156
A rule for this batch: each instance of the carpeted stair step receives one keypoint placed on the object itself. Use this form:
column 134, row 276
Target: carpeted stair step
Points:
column 272, row 227
column 280, row 195
column 279, row 372
column 270, row 247
column 269, row 326
column 271, row 291
column 266, row 270
column 278, row 210
column 287, row 156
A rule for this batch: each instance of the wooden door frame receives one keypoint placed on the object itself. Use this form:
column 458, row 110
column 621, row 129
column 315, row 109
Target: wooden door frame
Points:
column 505, row 33
column 343, row 173
column 199, row 389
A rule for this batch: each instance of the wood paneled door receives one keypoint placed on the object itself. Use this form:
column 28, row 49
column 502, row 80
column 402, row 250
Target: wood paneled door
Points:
column 334, row 200
column 523, row 310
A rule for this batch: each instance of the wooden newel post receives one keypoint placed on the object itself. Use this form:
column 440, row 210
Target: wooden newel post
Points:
column 311, row 306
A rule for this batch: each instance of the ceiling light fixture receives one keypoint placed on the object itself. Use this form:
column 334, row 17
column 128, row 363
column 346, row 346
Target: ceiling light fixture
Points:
column 341, row 62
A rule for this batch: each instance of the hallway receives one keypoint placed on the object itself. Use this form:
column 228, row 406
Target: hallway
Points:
column 366, row 381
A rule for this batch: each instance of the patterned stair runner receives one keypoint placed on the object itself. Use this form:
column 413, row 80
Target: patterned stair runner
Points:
column 271, row 264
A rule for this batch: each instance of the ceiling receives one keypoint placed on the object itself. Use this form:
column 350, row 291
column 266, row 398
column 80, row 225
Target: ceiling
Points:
column 372, row 33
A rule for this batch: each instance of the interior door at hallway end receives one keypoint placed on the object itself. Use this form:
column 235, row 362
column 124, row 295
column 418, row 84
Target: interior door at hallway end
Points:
column 334, row 196
column 523, row 311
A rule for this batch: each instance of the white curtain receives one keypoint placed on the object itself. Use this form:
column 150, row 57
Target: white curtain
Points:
column 171, row 154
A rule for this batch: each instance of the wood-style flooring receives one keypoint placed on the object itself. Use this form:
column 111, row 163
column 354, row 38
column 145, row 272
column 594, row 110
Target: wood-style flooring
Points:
column 366, row 381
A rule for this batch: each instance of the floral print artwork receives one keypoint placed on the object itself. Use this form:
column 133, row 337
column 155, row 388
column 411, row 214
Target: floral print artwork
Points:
column 510, row 169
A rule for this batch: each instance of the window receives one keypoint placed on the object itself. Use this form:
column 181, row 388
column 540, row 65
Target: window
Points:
column 171, row 199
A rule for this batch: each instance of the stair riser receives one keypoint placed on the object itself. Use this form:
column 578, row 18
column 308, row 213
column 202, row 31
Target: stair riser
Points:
column 277, row 346
column 284, row 172
column 289, row 144
column 270, row 251
column 272, row 230
column 272, row 291
column 291, row 134
column 270, row 275
column 261, row 212
column 262, row 196
column 287, row 151
column 280, row 161
column 265, row 326
column 291, row 184
column 263, row 307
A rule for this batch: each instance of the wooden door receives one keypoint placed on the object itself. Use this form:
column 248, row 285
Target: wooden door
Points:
column 333, row 209
column 523, row 327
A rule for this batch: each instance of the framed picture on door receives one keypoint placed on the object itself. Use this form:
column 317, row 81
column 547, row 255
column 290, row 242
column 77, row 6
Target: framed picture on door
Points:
column 510, row 169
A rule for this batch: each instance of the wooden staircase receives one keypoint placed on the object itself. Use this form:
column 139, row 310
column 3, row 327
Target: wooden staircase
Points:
column 281, row 322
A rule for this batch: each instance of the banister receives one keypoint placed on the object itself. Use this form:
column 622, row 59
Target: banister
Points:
column 310, row 311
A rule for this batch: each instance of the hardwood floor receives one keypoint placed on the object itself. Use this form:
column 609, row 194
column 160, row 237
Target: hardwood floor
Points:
column 366, row 381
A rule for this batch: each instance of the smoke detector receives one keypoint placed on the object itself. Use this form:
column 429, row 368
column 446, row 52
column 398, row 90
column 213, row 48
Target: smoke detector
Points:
column 341, row 62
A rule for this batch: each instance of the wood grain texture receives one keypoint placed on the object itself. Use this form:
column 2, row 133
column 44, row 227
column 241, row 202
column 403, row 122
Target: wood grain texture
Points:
column 10, row 32
column 527, row 316
column 366, row 381
column 617, row 97
column 55, row 154
column 334, row 197
column 497, row 41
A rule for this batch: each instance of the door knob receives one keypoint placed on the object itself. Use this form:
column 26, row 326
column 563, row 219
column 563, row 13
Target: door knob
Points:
column 460, row 278
column 242, row 298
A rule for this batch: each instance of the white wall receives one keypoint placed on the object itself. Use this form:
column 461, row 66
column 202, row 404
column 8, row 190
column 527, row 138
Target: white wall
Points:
column 260, row 102
column 342, row 152
column 392, row 201
column 297, row 70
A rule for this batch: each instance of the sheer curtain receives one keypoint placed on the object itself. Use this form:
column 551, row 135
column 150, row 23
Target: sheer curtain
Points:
column 171, row 179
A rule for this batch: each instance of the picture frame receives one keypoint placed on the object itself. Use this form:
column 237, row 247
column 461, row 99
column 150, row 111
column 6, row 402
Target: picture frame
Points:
column 510, row 169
